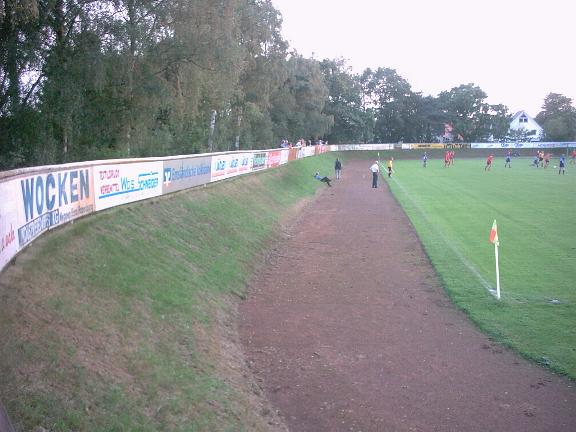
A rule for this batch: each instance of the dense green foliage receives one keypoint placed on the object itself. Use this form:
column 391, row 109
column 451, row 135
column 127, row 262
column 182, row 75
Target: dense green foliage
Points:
column 453, row 209
column 89, row 79
column 130, row 327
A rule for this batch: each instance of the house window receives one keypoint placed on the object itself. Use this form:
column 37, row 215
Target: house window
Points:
column 532, row 132
column 523, row 119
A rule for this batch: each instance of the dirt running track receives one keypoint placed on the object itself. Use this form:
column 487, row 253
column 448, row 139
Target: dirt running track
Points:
column 348, row 329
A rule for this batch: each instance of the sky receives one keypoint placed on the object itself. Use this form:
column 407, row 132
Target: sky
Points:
column 516, row 51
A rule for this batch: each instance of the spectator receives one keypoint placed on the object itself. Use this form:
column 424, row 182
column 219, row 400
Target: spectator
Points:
column 337, row 168
column 324, row 179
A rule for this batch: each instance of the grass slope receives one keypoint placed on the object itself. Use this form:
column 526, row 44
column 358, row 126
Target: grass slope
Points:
column 453, row 209
column 121, row 321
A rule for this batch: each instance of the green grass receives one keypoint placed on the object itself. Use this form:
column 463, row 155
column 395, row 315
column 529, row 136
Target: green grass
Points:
column 453, row 209
column 114, row 323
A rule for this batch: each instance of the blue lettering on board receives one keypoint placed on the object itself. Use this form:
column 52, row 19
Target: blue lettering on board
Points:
column 39, row 195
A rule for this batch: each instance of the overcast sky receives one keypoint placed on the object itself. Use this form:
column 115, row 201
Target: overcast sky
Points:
column 517, row 51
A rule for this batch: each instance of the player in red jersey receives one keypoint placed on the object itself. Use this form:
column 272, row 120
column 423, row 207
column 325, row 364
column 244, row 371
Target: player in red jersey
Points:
column 489, row 160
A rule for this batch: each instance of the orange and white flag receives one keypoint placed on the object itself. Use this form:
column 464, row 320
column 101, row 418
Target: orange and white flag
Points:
column 494, row 233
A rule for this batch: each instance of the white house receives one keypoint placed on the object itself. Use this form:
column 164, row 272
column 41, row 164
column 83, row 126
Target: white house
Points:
column 522, row 120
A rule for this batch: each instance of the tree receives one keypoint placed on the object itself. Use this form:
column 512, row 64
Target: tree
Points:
column 395, row 105
column 558, row 118
column 464, row 108
column 344, row 103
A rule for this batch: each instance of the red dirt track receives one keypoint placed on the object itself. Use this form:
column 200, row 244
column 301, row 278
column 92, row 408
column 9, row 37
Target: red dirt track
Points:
column 348, row 329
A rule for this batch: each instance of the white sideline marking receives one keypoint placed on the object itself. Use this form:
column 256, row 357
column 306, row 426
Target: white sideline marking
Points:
column 470, row 267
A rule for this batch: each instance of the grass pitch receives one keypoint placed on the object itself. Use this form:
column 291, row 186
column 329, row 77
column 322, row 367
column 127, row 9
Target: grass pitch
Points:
column 453, row 209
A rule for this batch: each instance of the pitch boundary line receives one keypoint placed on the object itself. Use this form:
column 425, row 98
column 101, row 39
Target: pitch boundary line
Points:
column 451, row 245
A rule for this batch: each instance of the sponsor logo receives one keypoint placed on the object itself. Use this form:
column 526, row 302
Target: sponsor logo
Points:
column 7, row 237
column 43, row 194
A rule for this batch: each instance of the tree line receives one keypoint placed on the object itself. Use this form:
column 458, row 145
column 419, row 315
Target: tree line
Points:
column 92, row 79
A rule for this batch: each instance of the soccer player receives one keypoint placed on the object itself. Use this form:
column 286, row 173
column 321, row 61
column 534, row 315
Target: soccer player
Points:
column 508, row 159
column 562, row 166
column 446, row 159
column 489, row 160
column 424, row 160
column 573, row 157
column 547, row 159
column 541, row 158
column 390, row 163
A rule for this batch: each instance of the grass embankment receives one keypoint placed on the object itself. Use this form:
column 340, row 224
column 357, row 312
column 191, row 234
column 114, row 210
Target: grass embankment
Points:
column 453, row 209
column 121, row 321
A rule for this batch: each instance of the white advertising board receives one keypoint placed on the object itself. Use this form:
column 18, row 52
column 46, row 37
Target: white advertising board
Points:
column 362, row 147
column 125, row 183
column 33, row 204
column 8, row 222
column 284, row 156
column 230, row 164
column 307, row 151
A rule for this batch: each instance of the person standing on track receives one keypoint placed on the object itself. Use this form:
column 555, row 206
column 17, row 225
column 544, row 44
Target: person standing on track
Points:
column 337, row 168
column 375, row 168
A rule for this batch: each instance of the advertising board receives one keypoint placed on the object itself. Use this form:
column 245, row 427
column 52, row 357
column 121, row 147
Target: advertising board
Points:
column 259, row 161
column 307, row 151
column 361, row 147
column 228, row 165
column 285, row 154
column 51, row 199
column 179, row 174
column 125, row 183
column 33, row 204
column 427, row 146
column 274, row 158
column 8, row 222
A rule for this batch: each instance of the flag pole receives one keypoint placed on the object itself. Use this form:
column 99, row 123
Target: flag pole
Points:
column 497, row 271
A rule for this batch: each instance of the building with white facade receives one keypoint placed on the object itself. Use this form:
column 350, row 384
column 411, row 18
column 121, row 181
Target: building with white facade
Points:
column 522, row 121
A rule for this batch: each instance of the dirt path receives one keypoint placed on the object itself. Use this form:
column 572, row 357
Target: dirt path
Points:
column 348, row 330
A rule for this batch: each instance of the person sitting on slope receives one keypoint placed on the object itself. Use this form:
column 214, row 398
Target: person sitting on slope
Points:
column 324, row 179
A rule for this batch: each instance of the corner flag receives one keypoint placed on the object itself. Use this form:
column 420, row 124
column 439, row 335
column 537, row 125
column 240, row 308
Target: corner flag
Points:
column 494, row 233
column 494, row 239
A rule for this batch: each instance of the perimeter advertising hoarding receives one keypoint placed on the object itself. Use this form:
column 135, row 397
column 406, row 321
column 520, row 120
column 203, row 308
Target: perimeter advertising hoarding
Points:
column 307, row 151
column 31, row 205
column 274, row 158
column 259, row 161
column 180, row 174
column 427, row 146
column 285, row 154
column 119, row 184
column 523, row 145
column 293, row 154
column 8, row 222
column 229, row 165
column 356, row 147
